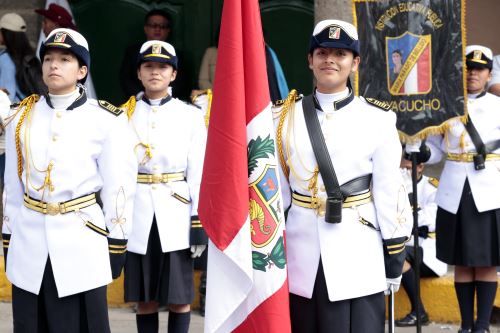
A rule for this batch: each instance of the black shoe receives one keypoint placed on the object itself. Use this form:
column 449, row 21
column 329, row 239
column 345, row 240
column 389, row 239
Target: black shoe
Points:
column 480, row 330
column 411, row 320
column 464, row 330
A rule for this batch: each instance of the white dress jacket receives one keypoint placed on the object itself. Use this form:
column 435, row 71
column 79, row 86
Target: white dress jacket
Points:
column 485, row 184
column 177, row 135
column 90, row 149
column 361, row 139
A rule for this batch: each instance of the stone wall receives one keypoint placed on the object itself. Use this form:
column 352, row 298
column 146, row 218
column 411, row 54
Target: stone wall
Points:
column 25, row 8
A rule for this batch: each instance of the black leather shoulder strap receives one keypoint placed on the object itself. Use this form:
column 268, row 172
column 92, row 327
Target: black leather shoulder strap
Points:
column 320, row 150
column 474, row 136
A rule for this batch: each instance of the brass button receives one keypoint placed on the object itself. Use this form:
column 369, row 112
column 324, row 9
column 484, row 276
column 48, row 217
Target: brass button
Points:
column 322, row 188
column 58, row 114
column 153, row 187
column 55, row 138
column 153, row 125
column 329, row 116
column 154, row 109
column 155, row 167
column 152, row 146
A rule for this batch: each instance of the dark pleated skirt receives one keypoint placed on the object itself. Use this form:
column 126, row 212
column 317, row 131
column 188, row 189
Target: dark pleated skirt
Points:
column 166, row 278
column 468, row 238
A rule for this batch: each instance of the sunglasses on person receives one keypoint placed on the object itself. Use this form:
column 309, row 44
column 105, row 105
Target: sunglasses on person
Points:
column 157, row 26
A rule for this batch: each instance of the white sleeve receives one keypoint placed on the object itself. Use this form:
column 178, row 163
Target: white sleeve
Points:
column 118, row 168
column 434, row 143
column 196, row 156
column 13, row 187
column 394, row 213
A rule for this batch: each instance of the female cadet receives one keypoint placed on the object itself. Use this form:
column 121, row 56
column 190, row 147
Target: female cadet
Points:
column 336, row 271
column 468, row 197
column 61, row 150
column 170, row 142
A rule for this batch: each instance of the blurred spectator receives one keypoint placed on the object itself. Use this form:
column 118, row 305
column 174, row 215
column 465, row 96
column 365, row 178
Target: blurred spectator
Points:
column 55, row 17
column 157, row 26
column 494, row 84
column 20, row 70
column 4, row 111
column 278, row 88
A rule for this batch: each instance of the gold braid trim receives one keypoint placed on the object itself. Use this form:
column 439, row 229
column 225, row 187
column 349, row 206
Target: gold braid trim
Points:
column 290, row 100
column 27, row 104
column 129, row 107
column 207, row 114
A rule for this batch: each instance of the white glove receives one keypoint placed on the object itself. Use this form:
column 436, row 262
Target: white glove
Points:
column 395, row 282
column 413, row 147
column 197, row 250
column 406, row 173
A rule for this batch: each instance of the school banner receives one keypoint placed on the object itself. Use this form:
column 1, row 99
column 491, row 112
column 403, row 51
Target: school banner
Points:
column 412, row 57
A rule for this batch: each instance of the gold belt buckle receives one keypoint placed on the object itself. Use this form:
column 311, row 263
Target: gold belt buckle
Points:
column 156, row 178
column 53, row 208
column 319, row 204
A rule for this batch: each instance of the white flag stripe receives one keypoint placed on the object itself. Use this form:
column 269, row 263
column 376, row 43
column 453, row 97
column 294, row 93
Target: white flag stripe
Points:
column 234, row 288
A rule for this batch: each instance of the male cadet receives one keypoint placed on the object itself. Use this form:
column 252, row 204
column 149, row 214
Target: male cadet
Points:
column 61, row 248
column 345, row 246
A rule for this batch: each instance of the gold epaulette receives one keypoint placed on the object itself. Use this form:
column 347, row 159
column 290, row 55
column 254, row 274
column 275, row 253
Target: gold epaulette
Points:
column 110, row 107
column 375, row 102
column 283, row 104
column 129, row 106
column 433, row 181
column 201, row 93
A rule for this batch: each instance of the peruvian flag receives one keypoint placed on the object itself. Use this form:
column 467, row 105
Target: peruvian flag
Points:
column 240, row 201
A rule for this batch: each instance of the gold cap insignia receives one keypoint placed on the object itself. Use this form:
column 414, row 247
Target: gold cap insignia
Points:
column 334, row 33
column 156, row 49
column 477, row 55
column 60, row 37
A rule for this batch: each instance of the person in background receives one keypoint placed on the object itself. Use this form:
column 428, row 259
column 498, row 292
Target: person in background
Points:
column 157, row 26
column 170, row 139
column 494, row 84
column 430, row 266
column 4, row 111
column 16, row 57
column 55, row 17
column 468, row 197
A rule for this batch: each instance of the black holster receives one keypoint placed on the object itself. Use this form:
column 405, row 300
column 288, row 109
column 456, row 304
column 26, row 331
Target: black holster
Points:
column 333, row 210
column 478, row 162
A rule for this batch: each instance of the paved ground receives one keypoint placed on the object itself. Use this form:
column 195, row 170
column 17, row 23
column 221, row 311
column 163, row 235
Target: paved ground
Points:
column 123, row 321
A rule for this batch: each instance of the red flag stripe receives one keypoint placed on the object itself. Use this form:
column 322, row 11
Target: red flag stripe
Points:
column 271, row 313
column 240, row 93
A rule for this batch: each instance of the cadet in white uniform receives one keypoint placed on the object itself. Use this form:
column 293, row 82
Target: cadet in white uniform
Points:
column 430, row 266
column 62, row 149
column 170, row 139
column 468, row 197
column 338, row 272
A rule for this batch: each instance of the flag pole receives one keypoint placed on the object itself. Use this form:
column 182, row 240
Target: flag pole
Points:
column 416, row 264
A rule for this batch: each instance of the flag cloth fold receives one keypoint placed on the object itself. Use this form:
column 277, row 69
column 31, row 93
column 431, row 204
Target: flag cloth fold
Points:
column 240, row 200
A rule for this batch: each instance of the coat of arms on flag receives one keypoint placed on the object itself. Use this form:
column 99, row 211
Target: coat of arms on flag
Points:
column 409, row 68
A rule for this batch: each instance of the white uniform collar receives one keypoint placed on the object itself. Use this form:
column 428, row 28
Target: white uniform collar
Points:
column 332, row 102
column 67, row 101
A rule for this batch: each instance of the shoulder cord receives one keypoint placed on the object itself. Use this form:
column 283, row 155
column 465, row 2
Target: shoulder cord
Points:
column 129, row 108
column 288, row 110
